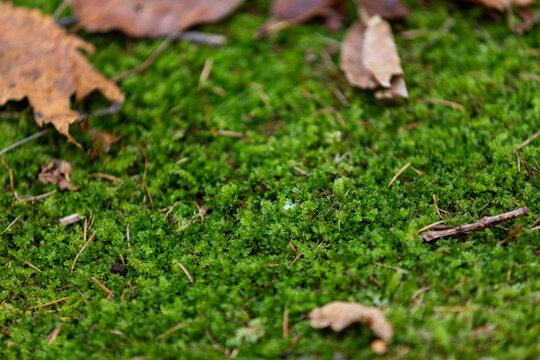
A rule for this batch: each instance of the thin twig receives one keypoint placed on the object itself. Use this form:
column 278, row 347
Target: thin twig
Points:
column 399, row 173
column 303, row 172
column 146, row 63
column 50, row 303
column 32, row 198
column 55, row 332
column 25, row 140
column 431, row 225
column 32, row 266
column 446, row 103
column 391, row 267
column 186, row 272
column 113, row 109
column 171, row 330
column 10, row 225
column 511, row 236
column 534, row 136
column 482, row 224
column 103, row 287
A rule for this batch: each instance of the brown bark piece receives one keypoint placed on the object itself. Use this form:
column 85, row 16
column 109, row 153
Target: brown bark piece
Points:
column 339, row 315
column 482, row 224
column 41, row 62
column 388, row 9
column 370, row 59
column 285, row 13
column 149, row 18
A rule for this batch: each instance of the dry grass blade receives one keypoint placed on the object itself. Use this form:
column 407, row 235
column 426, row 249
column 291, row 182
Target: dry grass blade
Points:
column 32, row 266
column 399, row 173
column 103, row 287
column 171, row 330
column 54, row 333
column 11, row 224
column 82, row 249
column 534, row 136
column 511, row 236
column 185, row 272
column 50, row 303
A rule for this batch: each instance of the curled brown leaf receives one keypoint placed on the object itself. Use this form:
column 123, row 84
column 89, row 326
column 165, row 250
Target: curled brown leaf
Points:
column 370, row 59
column 57, row 172
column 339, row 315
column 42, row 62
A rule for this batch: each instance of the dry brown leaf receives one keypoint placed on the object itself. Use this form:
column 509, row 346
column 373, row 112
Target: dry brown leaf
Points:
column 57, row 172
column 339, row 315
column 41, row 62
column 285, row 13
column 388, row 9
column 102, row 142
column 370, row 59
column 149, row 18
column 501, row 5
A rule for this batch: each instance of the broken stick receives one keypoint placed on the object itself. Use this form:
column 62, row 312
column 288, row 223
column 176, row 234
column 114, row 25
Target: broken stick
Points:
column 482, row 224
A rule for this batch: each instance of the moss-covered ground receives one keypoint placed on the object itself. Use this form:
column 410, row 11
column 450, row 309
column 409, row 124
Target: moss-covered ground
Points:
column 283, row 94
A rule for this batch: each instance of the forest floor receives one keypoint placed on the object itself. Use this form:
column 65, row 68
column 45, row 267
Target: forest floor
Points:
column 276, row 173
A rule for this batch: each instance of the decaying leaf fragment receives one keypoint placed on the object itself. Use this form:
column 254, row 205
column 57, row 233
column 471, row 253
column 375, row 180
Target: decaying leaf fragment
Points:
column 285, row 13
column 339, row 315
column 57, row 172
column 388, row 9
column 40, row 61
column 501, row 5
column 370, row 59
column 102, row 142
column 149, row 18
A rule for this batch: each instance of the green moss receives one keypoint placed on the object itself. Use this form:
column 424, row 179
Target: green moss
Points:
column 483, row 300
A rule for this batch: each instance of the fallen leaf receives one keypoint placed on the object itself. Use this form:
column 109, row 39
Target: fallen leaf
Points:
column 149, row 18
column 339, row 315
column 501, row 5
column 388, row 9
column 285, row 13
column 370, row 59
column 102, row 142
column 41, row 62
column 57, row 172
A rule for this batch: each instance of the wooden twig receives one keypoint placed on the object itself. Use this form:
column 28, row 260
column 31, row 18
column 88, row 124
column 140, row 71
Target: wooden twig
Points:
column 482, row 224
